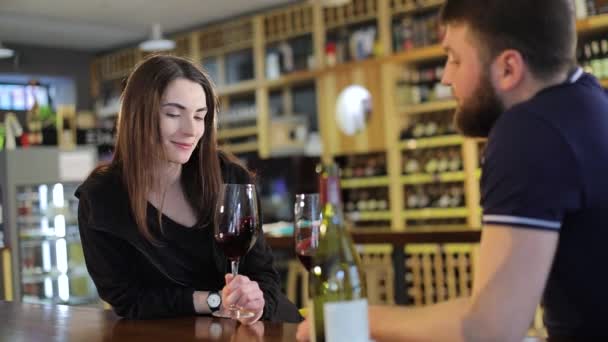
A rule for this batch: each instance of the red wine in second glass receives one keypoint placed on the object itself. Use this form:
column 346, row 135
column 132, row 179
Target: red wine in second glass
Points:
column 306, row 259
column 237, row 243
column 304, row 252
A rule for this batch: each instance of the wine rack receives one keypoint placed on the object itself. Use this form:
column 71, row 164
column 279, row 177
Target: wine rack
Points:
column 414, row 24
column 365, row 190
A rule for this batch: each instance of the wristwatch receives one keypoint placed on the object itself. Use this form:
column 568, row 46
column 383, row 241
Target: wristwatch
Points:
column 214, row 301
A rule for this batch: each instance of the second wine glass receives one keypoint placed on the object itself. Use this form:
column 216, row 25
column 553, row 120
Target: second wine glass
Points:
column 307, row 218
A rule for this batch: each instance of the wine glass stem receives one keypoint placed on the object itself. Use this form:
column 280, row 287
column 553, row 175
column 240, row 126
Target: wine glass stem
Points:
column 235, row 267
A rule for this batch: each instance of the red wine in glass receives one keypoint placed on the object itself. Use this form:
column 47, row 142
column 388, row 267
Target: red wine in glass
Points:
column 306, row 227
column 236, row 227
column 236, row 244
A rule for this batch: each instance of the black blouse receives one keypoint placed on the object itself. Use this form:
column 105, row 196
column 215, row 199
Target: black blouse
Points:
column 142, row 280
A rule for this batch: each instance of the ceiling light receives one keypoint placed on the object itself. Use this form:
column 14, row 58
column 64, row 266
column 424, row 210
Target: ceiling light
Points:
column 156, row 41
column 334, row 3
column 6, row 52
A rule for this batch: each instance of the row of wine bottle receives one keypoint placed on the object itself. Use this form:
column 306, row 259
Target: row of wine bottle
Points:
column 422, row 85
column 428, row 125
column 436, row 160
column 416, row 31
column 593, row 56
column 445, row 195
column 366, row 200
column 587, row 8
column 369, row 165
column 434, row 222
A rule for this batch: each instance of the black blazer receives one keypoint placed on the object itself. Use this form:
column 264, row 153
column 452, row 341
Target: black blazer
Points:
column 141, row 280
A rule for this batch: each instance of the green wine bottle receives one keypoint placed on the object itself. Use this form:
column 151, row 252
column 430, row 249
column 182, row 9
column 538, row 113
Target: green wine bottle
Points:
column 339, row 304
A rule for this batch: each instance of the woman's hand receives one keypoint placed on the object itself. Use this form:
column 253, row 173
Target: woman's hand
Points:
column 245, row 294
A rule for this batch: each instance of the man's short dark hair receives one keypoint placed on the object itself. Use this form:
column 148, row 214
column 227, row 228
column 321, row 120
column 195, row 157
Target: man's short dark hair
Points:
column 543, row 31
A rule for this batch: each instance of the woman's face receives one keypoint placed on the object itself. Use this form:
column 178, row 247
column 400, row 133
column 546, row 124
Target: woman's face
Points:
column 183, row 108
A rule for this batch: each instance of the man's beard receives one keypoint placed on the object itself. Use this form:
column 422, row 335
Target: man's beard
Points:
column 476, row 116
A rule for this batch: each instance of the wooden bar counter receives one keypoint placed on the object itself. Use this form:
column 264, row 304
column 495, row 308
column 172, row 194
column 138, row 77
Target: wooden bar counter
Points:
column 29, row 322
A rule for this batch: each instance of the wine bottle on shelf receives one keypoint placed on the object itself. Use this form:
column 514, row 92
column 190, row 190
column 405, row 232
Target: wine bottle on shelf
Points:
column 362, row 202
column 455, row 161
column 359, row 168
column 431, row 127
column 412, row 163
column 381, row 165
column 372, row 202
column 347, row 172
column 604, row 60
column 351, row 202
column 412, row 199
column 443, row 161
column 339, row 304
column 382, row 202
column 370, row 167
column 434, row 195
column 431, row 163
column 456, row 196
column 596, row 60
column 444, row 197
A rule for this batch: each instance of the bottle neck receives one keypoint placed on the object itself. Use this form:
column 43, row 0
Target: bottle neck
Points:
column 329, row 191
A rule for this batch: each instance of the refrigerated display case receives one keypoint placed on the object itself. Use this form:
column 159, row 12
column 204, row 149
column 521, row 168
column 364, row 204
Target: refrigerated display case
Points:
column 41, row 223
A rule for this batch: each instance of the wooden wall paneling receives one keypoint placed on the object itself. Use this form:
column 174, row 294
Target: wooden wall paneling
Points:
column 318, row 35
column 326, row 86
column 384, row 27
column 393, row 152
column 471, row 183
column 195, row 49
column 261, row 93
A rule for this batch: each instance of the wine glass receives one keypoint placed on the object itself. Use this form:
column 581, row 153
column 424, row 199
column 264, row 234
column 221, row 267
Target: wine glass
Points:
column 236, row 227
column 307, row 219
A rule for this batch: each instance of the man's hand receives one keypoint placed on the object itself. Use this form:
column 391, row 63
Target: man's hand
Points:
column 303, row 333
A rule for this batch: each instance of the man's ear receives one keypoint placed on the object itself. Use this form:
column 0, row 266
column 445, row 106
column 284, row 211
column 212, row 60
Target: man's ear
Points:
column 508, row 70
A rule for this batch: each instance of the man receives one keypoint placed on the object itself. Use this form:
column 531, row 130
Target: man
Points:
column 544, row 187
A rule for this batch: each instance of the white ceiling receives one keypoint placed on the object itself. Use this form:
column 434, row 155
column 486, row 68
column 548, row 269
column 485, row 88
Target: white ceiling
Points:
column 96, row 25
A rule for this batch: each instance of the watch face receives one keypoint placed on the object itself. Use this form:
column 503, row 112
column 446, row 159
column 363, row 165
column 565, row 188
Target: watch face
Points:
column 214, row 300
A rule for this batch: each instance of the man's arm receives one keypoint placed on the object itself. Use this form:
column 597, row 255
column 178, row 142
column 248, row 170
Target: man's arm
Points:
column 509, row 280
column 513, row 267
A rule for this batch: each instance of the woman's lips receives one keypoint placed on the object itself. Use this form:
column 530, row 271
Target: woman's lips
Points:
column 182, row 146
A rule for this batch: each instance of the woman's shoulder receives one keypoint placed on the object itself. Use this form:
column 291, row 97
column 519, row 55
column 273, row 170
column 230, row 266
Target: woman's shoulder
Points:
column 233, row 171
column 103, row 182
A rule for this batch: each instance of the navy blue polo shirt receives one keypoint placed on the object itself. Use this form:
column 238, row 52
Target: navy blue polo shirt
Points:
column 546, row 167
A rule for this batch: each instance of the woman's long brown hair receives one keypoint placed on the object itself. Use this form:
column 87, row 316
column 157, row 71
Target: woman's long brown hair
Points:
column 138, row 146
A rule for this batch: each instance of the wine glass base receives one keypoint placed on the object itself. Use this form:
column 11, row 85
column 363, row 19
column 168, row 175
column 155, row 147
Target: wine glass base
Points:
column 233, row 314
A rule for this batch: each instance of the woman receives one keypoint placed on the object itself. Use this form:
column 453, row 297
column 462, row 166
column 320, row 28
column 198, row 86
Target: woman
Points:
column 146, row 218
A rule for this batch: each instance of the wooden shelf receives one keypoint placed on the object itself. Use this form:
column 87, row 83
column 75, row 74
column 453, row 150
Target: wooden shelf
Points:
column 422, row 178
column 418, row 55
column 604, row 83
column 228, row 133
column 428, row 107
column 237, row 88
column 435, row 213
column 440, row 141
column 288, row 149
column 370, row 216
column 592, row 24
column 367, row 182
column 400, row 7
column 293, row 78
column 241, row 148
